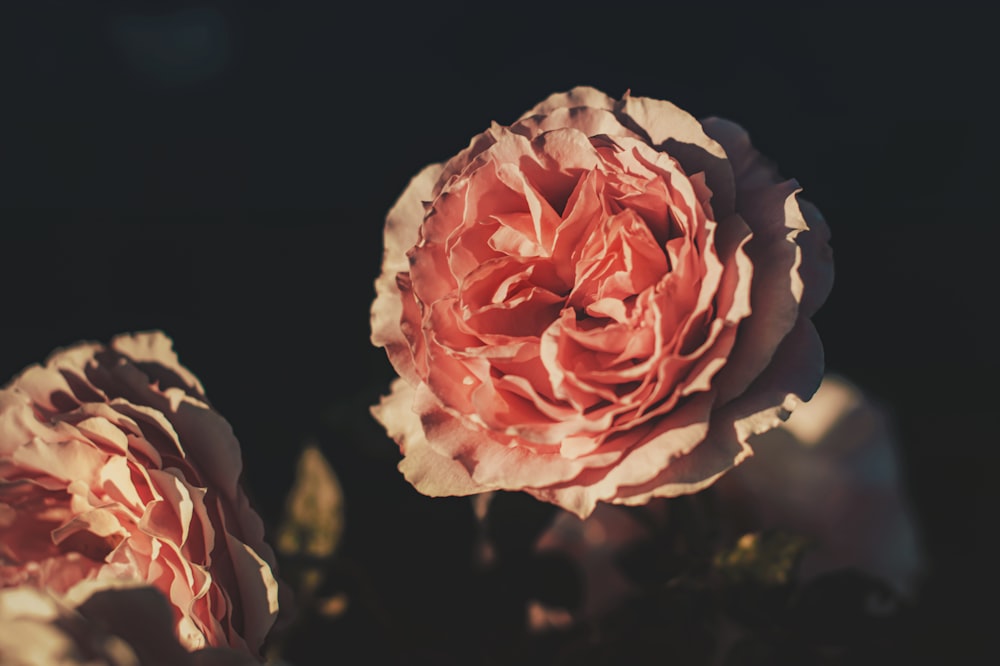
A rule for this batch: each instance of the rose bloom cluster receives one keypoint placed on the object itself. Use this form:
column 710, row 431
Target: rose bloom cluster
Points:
column 599, row 303
column 115, row 471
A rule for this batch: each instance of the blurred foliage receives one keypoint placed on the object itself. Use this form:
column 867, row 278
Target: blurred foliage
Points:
column 762, row 558
column 314, row 509
column 430, row 596
column 306, row 540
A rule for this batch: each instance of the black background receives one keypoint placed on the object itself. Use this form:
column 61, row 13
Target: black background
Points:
column 222, row 172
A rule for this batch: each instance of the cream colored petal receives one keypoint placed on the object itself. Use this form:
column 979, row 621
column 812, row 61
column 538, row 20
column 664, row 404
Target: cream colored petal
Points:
column 755, row 173
column 429, row 472
column 116, row 481
column 588, row 120
column 18, row 423
column 435, row 475
column 154, row 352
column 792, row 378
column 672, row 436
column 816, row 269
column 776, row 290
column 402, row 223
column 395, row 413
column 681, row 136
column 258, row 591
column 713, row 457
column 66, row 461
column 578, row 96
column 495, row 461
column 669, row 461
column 101, row 431
column 401, row 234
column 61, row 377
column 36, row 630
column 169, row 518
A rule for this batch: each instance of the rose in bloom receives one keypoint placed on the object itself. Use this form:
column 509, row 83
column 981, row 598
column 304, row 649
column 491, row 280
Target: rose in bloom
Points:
column 114, row 627
column 114, row 469
column 600, row 302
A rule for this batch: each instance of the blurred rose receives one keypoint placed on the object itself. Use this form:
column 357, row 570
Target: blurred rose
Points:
column 831, row 473
column 595, row 544
column 601, row 302
column 121, row 627
column 114, row 469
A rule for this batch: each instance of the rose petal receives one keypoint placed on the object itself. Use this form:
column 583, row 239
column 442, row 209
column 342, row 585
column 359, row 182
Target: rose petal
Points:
column 585, row 96
column 257, row 588
column 154, row 353
column 428, row 471
column 684, row 138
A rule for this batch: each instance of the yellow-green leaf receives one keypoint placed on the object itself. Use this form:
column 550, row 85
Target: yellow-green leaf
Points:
column 314, row 509
column 767, row 558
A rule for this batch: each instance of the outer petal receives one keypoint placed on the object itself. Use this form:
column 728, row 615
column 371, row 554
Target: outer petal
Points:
column 492, row 463
column 816, row 269
column 578, row 96
column 402, row 230
column 258, row 591
column 402, row 225
column 430, row 472
column 671, row 460
column 753, row 172
column 589, row 120
column 154, row 353
column 774, row 216
column 792, row 377
column 204, row 434
column 680, row 135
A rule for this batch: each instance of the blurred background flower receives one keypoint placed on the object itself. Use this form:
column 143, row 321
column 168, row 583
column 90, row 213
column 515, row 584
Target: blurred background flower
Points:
column 830, row 477
column 832, row 473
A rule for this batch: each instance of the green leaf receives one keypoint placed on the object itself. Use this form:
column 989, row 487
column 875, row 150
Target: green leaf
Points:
column 314, row 509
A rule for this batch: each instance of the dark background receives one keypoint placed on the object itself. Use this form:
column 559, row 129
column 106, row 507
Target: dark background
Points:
column 222, row 173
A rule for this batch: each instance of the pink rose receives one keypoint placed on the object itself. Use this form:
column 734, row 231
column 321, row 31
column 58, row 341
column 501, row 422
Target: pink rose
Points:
column 114, row 469
column 601, row 302
column 115, row 627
